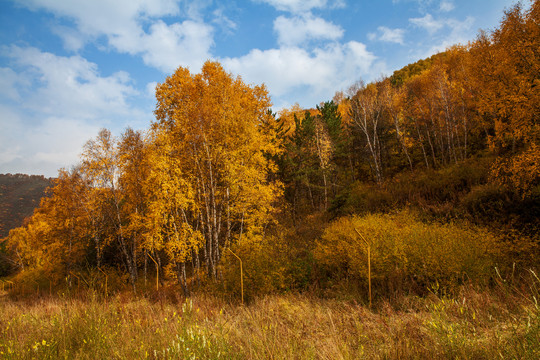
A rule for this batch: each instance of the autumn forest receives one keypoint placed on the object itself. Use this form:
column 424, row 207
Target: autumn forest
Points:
column 421, row 185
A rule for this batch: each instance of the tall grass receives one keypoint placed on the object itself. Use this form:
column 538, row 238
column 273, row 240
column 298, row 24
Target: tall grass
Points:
column 122, row 328
column 502, row 322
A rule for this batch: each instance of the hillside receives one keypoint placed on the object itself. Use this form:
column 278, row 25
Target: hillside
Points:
column 19, row 195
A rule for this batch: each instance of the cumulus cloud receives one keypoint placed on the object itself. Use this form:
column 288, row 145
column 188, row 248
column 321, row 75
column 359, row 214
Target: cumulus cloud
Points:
column 68, row 86
column 106, row 17
column 57, row 104
column 42, row 149
column 73, row 39
column 388, row 35
column 300, row 29
column 167, row 46
column 123, row 23
column 319, row 72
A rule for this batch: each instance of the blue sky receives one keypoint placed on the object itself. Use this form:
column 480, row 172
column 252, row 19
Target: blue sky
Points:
column 71, row 67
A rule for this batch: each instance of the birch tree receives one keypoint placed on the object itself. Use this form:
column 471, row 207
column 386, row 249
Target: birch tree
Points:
column 220, row 138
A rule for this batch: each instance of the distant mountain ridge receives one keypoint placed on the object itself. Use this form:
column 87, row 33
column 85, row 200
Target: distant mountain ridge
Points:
column 20, row 194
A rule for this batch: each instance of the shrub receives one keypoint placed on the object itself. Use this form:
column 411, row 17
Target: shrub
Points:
column 260, row 273
column 442, row 185
column 489, row 200
column 362, row 198
column 268, row 264
column 279, row 261
column 406, row 252
column 500, row 207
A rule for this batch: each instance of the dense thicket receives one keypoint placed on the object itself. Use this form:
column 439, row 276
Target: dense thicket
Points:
column 437, row 168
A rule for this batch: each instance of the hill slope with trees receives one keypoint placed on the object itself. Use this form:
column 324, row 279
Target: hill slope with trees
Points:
column 434, row 172
column 19, row 195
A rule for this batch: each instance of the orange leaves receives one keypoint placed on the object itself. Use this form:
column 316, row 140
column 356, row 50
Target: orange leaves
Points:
column 521, row 172
column 54, row 237
column 505, row 69
column 210, row 163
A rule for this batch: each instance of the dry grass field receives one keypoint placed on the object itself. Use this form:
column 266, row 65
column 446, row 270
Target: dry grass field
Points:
column 499, row 323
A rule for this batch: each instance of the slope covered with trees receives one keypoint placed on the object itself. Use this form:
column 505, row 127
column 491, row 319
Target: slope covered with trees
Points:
column 431, row 176
column 19, row 196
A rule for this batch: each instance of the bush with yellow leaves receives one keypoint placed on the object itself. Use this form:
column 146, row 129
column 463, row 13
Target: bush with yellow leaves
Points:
column 405, row 252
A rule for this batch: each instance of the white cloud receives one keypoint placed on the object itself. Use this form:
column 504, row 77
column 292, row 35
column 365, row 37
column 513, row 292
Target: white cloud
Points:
column 8, row 84
column 302, row 6
column 72, row 38
column 428, row 23
column 45, row 148
column 460, row 32
column 104, row 16
column 391, row 35
column 10, row 146
column 193, row 9
column 223, row 21
column 123, row 24
column 318, row 73
column 63, row 153
column 300, row 29
column 433, row 5
column 446, row 6
column 388, row 35
column 168, row 46
column 70, row 86
column 151, row 89
column 61, row 102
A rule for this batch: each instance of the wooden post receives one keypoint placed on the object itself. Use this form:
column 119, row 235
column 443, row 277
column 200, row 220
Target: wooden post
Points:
column 157, row 272
column 241, row 275
column 369, row 263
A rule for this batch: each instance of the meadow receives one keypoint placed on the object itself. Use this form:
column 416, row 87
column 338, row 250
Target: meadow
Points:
column 502, row 322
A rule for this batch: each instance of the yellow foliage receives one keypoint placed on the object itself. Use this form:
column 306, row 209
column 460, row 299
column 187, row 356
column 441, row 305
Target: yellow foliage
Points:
column 405, row 249
column 286, row 117
column 53, row 238
column 210, row 162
